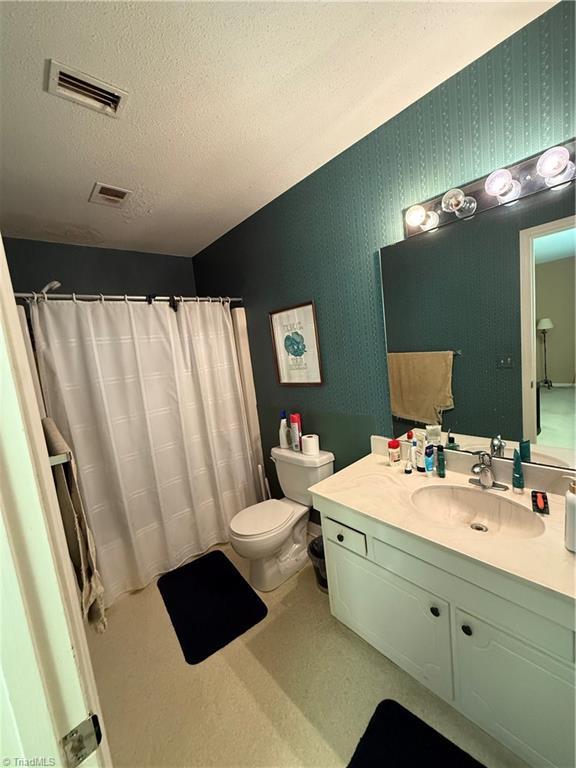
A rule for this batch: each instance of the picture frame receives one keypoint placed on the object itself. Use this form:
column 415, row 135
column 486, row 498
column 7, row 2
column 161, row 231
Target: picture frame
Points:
column 295, row 344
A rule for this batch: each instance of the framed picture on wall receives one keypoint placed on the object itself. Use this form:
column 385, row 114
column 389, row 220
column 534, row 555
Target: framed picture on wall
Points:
column 295, row 341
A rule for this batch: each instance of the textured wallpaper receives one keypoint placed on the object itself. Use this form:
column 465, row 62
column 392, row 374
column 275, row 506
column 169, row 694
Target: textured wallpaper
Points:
column 320, row 239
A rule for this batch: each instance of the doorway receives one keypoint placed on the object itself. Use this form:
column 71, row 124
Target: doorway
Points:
column 548, row 315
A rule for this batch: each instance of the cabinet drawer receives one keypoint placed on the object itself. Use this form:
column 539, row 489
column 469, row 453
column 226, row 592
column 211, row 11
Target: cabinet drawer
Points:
column 345, row 536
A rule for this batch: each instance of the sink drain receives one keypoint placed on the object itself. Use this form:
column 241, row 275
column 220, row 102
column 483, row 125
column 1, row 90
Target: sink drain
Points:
column 478, row 527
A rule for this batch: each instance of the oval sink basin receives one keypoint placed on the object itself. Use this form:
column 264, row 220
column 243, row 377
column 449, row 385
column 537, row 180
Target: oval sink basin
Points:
column 485, row 512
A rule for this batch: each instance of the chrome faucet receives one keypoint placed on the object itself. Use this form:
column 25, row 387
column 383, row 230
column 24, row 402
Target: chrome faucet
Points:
column 484, row 476
column 497, row 446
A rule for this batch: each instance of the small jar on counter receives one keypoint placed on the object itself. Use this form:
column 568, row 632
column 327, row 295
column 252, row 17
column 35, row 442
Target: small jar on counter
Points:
column 394, row 451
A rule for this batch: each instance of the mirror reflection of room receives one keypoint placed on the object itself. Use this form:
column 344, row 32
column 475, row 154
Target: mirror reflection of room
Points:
column 555, row 280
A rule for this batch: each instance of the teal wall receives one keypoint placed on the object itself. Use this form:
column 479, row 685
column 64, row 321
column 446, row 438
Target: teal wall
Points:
column 86, row 269
column 320, row 240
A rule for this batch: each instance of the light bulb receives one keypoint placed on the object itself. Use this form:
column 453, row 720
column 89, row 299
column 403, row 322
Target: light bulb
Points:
column 453, row 200
column 468, row 207
column 500, row 184
column 563, row 178
column 512, row 194
column 430, row 222
column 552, row 162
column 415, row 215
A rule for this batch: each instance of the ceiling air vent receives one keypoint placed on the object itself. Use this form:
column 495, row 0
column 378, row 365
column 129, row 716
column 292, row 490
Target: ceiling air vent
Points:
column 84, row 89
column 104, row 194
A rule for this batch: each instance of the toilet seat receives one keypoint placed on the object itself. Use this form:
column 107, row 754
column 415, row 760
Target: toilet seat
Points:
column 264, row 518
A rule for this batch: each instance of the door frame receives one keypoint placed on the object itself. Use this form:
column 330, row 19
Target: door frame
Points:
column 62, row 657
column 528, row 318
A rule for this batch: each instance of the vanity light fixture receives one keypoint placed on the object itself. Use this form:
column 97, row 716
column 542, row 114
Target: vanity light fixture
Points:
column 552, row 169
column 555, row 166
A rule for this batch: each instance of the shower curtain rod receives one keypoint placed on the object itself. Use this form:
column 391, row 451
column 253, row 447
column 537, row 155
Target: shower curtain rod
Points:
column 103, row 297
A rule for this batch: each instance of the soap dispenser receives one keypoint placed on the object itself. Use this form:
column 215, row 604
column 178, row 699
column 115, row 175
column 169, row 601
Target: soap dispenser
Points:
column 570, row 522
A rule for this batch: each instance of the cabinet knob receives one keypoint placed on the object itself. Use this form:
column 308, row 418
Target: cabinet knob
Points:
column 340, row 537
column 467, row 629
column 435, row 611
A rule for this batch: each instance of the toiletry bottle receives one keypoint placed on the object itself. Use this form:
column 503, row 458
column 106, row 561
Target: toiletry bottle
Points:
column 524, row 450
column 429, row 460
column 408, row 467
column 283, row 433
column 296, row 431
column 394, row 451
column 420, row 448
column 406, row 446
column 440, row 461
column 570, row 521
column 451, row 444
column 413, row 453
column 517, row 473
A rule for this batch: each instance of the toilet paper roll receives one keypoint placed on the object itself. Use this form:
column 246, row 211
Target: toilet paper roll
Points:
column 310, row 445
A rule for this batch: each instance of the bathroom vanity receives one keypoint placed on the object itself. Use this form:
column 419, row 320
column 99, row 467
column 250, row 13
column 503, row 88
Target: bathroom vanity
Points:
column 469, row 591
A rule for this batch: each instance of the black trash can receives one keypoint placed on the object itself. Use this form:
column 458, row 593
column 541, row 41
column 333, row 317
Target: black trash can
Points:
column 316, row 554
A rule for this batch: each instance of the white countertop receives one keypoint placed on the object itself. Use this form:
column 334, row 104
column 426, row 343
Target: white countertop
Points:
column 373, row 488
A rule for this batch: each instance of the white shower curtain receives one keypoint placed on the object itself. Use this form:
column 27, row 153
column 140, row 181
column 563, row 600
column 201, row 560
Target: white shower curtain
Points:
column 150, row 401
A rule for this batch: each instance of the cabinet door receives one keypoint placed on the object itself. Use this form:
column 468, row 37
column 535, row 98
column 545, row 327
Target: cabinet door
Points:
column 520, row 695
column 403, row 621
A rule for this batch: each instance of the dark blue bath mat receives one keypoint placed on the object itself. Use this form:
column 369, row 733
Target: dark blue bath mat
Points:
column 210, row 604
column 395, row 738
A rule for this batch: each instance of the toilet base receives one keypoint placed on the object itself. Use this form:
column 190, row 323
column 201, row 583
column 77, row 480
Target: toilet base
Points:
column 268, row 573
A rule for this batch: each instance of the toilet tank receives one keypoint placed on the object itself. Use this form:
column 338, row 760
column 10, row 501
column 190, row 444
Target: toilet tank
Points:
column 297, row 472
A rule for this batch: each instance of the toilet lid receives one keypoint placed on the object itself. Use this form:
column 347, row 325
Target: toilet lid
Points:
column 264, row 517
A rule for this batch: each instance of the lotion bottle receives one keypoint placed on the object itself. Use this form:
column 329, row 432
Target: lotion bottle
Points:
column 570, row 521
column 283, row 433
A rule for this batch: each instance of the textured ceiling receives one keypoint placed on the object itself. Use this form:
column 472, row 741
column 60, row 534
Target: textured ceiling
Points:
column 230, row 104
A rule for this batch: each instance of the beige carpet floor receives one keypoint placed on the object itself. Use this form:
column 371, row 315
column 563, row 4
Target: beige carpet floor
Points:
column 558, row 417
column 297, row 690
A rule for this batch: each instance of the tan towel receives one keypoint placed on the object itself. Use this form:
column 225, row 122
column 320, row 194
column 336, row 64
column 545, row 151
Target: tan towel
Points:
column 78, row 534
column 420, row 385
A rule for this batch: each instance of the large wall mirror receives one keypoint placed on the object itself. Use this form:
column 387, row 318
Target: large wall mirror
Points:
column 498, row 289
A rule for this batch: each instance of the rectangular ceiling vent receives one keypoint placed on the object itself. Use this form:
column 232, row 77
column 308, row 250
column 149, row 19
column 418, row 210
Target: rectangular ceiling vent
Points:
column 86, row 90
column 105, row 194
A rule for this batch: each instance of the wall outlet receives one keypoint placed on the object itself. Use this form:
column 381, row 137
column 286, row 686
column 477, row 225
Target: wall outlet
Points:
column 504, row 361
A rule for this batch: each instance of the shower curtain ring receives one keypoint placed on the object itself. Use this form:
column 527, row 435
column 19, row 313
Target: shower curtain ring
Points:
column 74, row 299
column 34, row 296
column 221, row 300
column 101, row 297
column 126, row 298
column 44, row 296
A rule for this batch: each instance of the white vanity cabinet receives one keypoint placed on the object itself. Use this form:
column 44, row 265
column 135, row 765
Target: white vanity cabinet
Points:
column 498, row 652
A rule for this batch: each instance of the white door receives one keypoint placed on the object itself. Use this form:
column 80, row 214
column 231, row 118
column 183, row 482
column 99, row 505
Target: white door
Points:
column 46, row 682
column 403, row 621
column 520, row 695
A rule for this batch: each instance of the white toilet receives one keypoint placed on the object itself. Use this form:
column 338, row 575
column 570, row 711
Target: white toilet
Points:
column 272, row 534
